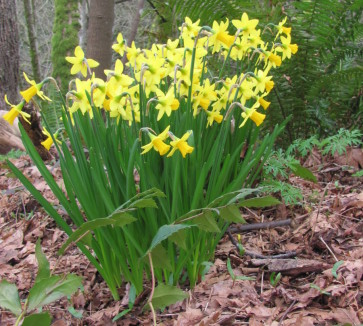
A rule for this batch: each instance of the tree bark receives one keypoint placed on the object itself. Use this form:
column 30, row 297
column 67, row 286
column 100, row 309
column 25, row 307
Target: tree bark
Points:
column 65, row 39
column 99, row 34
column 9, row 52
column 29, row 19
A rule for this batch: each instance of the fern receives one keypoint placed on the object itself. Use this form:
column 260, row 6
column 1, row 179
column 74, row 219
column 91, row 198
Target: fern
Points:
column 290, row 194
column 339, row 142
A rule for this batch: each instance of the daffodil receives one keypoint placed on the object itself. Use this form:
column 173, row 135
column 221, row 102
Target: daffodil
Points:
column 35, row 89
column 213, row 116
column 157, row 142
column 252, row 114
column 274, row 59
column 80, row 63
column 15, row 110
column 282, row 29
column 286, row 47
column 220, row 36
column 181, row 144
column 120, row 46
column 265, row 104
column 49, row 141
column 246, row 25
column 263, row 82
column 166, row 103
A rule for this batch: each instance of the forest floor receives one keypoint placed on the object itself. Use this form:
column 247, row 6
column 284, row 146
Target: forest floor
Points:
column 325, row 228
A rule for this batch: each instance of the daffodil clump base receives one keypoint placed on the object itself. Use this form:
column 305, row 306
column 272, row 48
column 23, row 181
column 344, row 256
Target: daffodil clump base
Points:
column 161, row 150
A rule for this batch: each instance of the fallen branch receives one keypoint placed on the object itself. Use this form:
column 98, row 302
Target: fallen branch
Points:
column 258, row 226
column 256, row 255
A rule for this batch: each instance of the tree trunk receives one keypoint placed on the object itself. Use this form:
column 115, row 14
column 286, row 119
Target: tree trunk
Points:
column 9, row 52
column 65, row 39
column 99, row 34
column 135, row 22
column 29, row 19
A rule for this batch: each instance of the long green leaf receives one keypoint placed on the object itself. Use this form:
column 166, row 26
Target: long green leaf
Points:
column 43, row 263
column 117, row 219
column 259, row 202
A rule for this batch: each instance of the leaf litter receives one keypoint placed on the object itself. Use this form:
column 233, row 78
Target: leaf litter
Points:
column 326, row 228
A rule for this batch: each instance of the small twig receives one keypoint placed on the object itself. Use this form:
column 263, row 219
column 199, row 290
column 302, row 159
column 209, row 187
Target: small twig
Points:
column 152, row 288
column 262, row 277
column 318, row 212
column 256, row 255
column 257, row 226
column 326, row 245
column 286, row 312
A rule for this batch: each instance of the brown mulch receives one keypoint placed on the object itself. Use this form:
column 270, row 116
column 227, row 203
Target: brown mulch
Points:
column 326, row 227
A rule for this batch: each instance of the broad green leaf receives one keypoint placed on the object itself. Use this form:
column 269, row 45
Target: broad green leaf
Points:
column 335, row 268
column 52, row 289
column 145, row 202
column 165, row 295
column 164, row 232
column 302, row 172
column 42, row 319
column 259, row 202
column 43, row 264
column 235, row 195
column 206, row 222
column 159, row 257
column 116, row 219
column 9, row 297
column 231, row 213
column 179, row 238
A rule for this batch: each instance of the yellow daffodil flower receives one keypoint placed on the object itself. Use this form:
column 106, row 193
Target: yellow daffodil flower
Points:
column 120, row 46
column 246, row 25
column 263, row 82
column 49, row 141
column 80, row 63
column 274, row 59
column 79, row 97
column 157, row 142
column 265, row 104
column 181, row 145
column 35, row 89
column 213, row 116
column 220, row 36
column 282, row 29
column 166, row 102
column 286, row 47
column 252, row 114
column 15, row 110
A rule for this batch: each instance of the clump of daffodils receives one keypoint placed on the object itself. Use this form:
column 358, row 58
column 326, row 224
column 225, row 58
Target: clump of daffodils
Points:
column 173, row 79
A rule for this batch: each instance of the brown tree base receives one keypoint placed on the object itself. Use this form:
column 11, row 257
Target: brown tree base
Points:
column 34, row 131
